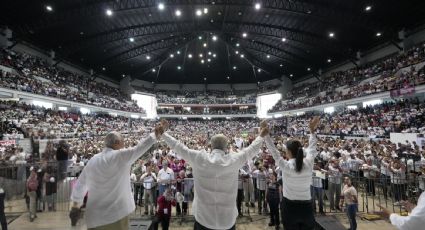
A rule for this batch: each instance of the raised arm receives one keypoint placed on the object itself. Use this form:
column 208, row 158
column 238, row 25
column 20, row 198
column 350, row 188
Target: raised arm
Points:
column 130, row 155
column 181, row 149
column 252, row 150
column 311, row 151
column 275, row 153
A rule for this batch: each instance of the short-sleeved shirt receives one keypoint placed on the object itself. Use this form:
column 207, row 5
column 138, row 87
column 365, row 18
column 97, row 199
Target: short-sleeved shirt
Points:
column 349, row 194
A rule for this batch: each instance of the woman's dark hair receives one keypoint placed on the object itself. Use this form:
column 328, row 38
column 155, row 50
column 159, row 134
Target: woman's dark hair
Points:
column 297, row 152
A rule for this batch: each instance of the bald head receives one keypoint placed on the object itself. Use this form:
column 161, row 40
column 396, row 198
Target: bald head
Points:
column 219, row 141
column 114, row 140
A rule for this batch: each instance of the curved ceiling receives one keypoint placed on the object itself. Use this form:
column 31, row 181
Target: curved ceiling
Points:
column 205, row 42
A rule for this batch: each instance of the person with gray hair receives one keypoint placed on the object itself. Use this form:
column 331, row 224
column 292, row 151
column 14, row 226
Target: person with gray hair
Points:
column 107, row 180
column 216, row 179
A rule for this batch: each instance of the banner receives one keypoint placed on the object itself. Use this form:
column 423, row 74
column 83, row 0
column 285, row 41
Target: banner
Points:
column 406, row 91
column 7, row 143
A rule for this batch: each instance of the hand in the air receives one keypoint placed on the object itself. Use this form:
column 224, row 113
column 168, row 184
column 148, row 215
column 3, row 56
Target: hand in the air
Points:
column 314, row 123
column 264, row 129
column 159, row 130
column 165, row 124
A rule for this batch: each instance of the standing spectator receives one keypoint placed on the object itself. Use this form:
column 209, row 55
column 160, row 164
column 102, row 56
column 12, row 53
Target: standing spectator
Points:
column 317, row 191
column 261, row 185
column 369, row 172
column 32, row 185
column 40, row 191
column 350, row 199
column 3, row 221
column 273, row 199
column 179, row 189
column 62, row 156
column 248, row 185
column 398, row 181
column 335, row 176
column 165, row 201
column 51, row 189
column 165, row 177
column 138, row 187
column 148, row 179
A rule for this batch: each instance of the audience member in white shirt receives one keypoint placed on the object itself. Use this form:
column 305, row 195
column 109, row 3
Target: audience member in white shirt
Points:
column 148, row 179
column 165, row 177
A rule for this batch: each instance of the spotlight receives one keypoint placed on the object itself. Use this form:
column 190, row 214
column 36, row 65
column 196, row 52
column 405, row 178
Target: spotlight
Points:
column 244, row 35
column 148, row 57
column 205, row 10
column 153, row 70
column 200, row 55
column 237, row 44
column 171, row 55
column 331, row 34
column 109, row 12
column 291, row 75
column 198, row 12
column 209, row 60
column 308, row 69
column 329, row 60
column 259, row 70
column 209, row 53
column 161, row 6
column 378, row 34
column 268, row 56
column 49, row 8
column 234, row 67
column 242, row 56
column 131, row 39
column 103, row 68
column 178, row 51
column 202, row 61
column 368, row 8
column 200, row 37
column 283, row 39
column 205, row 44
column 179, row 67
column 257, row 6
column 214, row 38
column 178, row 13
column 281, row 65
column 189, row 55
column 236, row 52
column 214, row 55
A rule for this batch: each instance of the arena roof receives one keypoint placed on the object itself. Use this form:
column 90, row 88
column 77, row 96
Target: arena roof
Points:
column 202, row 41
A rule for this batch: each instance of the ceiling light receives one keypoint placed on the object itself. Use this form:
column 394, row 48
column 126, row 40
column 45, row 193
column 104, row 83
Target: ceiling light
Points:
column 329, row 60
column 214, row 38
column 240, row 13
column 228, row 77
column 205, row 44
column 205, row 10
column 189, row 55
column 368, row 8
column 244, row 35
column 198, row 12
column 109, row 12
column 259, row 70
column 123, row 75
column 161, row 6
column 202, row 61
column 153, row 70
column 148, row 57
column 268, row 56
column 103, row 68
column 308, row 69
column 209, row 60
column 49, row 8
column 234, row 67
column 236, row 52
column 205, row 78
column 214, row 55
column 178, row 51
column 171, row 55
column 178, row 13
column 257, row 6
column 242, row 56
column 331, row 34
column 237, row 44
column 378, row 34
column 281, row 65
column 209, row 53
column 291, row 75
column 200, row 55
column 179, row 67
column 131, row 39
column 258, row 82
column 283, row 39
column 200, row 37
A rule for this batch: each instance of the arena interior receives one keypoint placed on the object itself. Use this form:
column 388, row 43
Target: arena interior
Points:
column 74, row 71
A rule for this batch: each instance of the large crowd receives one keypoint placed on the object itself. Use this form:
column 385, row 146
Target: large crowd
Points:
column 208, row 111
column 208, row 97
column 35, row 75
column 354, row 83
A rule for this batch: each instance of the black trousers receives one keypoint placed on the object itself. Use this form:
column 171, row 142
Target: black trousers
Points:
column 298, row 215
column 138, row 190
column 3, row 221
column 274, row 211
column 165, row 223
column 179, row 209
column 239, row 200
column 370, row 186
column 198, row 226
column 261, row 200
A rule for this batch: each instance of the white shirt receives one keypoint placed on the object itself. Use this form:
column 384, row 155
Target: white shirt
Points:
column 106, row 177
column 296, row 186
column 414, row 221
column 165, row 176
column 216, row 181
column 148, row 180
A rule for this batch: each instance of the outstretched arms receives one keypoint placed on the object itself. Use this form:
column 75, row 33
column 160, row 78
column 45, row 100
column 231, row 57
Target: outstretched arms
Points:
column 312, row 143
column 252, row 150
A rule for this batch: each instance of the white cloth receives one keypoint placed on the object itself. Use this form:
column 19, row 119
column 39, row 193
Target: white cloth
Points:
column 414, row 221
column 165, row 176
column 106, row 177
column 216, row 181
column 296, row 186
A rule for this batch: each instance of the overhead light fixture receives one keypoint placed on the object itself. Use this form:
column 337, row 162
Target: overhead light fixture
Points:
column 148, row 57
column 189, row 55
column 198, row 13
column 178, row 51
column 209, row 53
column 49, row 8
column 237, row 44
column 236, row 52
column 331, row 34
column 378, row 34
column 209, row 60
column 131, row 39
column 153, row 70
column 329, row 60
column 205, row 10
column 109, row 12
column 257, row 6
column 291, row 75
column 308, row 69
column 234, row 67
column 205, row 78
column 244, row 35
column 214, row 55
column 123, row 75
column 178, row 13
column 200, row 37
column 258, row 83
column 283, row 39
column 242, row 56
column 259, row 70
column 368, row 8
column 179, row 67
column 161, row 6
column 200, row 55
column 228, row 77
column 103, row 68
column 205, row 44
column 268, row 56
column 171, row 55
column 281, row 65
column 202, row 61
column 214, row 38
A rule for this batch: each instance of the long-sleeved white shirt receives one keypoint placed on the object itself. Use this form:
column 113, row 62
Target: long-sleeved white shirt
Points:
column 216, row 181
column 295, row 186
column 414, row 221
column 107, row 180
